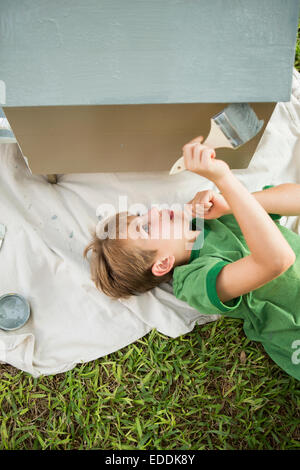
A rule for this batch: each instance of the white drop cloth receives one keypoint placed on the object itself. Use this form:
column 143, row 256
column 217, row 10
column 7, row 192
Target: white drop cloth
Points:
column 48, row 228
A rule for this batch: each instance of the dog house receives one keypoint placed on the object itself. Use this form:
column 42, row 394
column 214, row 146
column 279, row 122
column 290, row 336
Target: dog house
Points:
column 108, row 85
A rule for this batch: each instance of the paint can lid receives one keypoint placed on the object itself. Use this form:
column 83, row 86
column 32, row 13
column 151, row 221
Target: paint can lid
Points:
column 14, row 311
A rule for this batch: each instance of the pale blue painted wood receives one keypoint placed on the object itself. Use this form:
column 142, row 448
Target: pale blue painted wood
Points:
column 146, row 51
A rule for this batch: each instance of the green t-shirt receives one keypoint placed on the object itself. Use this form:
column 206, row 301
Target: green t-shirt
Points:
column 271, row 313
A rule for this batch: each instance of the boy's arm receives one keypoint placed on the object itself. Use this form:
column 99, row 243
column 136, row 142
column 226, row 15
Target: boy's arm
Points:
column 283, row 199
column 271, row 254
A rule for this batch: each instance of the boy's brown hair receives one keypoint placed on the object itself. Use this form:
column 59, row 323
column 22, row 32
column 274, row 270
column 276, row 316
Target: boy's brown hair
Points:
column 119, row 270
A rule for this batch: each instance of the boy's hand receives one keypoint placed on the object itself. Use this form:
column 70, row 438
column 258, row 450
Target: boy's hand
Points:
column 202, row 160
column 211, row 204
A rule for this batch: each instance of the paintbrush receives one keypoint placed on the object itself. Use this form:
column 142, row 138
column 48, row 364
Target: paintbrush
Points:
column 232, row 127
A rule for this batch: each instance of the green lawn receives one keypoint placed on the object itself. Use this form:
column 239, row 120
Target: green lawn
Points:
column 210, row 389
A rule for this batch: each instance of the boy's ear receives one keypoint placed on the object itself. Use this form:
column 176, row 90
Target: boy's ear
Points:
column 163, row 265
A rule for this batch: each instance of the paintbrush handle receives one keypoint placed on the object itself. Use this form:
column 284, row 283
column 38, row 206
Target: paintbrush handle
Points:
column 215, row 139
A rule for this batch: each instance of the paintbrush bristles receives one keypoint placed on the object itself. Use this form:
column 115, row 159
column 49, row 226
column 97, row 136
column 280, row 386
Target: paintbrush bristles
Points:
column 239, row 123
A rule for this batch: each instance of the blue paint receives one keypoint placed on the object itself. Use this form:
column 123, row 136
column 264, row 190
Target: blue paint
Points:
column 172, row 51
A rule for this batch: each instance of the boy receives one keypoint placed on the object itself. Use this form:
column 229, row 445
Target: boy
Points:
column 243, row 264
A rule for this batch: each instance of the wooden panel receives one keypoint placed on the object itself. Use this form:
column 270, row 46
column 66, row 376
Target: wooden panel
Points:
column 84, row 139
column 146, row 51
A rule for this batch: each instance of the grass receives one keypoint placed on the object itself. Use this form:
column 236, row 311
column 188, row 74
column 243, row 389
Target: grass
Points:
column 210, row 389
column 297, row 51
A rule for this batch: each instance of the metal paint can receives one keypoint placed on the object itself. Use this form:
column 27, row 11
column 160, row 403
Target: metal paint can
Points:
column 14, row 311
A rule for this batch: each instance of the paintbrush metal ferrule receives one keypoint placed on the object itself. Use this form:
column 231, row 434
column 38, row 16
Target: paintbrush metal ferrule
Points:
column 232, row 127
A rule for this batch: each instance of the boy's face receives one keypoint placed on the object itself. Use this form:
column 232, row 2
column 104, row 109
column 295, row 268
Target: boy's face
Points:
column 166, row 231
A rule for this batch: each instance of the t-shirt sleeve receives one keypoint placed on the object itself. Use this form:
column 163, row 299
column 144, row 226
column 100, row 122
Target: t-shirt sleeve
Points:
column 195, row 283
column 273, row 216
